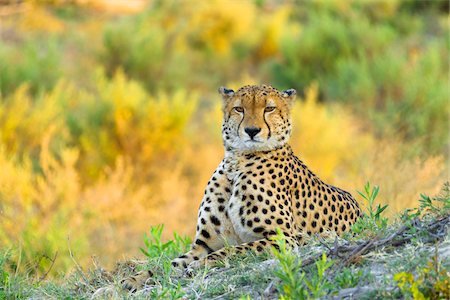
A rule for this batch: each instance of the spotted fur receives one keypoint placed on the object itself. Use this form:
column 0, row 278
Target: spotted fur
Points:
column 260, row 185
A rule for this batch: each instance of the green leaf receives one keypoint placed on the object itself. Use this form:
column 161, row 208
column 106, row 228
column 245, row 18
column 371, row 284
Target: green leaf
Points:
column 375, row 191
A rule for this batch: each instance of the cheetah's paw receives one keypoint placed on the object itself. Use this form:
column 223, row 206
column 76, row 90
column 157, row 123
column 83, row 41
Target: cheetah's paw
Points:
column 137, row 281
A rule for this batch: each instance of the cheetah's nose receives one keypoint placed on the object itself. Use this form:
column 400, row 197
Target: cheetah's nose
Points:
column 252, row 131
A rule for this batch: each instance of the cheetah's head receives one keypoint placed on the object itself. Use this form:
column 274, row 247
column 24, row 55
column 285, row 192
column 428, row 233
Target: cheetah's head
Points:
column 256, row 117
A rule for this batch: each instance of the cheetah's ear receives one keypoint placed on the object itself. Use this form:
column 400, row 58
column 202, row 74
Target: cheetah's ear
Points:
column 289, row 93
column 226, row 93
column 289, row 96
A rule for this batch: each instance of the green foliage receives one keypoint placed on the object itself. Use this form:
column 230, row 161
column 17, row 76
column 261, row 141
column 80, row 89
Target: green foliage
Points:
column 373, row 222
column 307, row 60
column 398, row 81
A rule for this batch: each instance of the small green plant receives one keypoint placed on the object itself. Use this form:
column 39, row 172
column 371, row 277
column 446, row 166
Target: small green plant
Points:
column 438, row 205
column 154, row 247
column 373, row 221
column 348, row 278
column 289, row 272
column 294, row 284
column 317, row 283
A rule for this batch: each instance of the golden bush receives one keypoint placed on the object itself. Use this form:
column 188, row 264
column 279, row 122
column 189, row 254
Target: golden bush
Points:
column 37, row 18
column 41, row 215
column 219, row 23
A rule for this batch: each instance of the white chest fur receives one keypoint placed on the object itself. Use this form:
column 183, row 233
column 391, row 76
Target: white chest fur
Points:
column 234, row 166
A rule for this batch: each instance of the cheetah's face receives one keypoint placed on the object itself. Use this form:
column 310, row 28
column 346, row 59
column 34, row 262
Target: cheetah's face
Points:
column 256, row 118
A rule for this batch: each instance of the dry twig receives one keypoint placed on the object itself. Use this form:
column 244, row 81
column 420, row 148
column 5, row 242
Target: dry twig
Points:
column 50, row 268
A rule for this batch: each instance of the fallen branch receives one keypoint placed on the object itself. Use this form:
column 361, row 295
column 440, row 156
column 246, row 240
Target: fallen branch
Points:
column 348, row 254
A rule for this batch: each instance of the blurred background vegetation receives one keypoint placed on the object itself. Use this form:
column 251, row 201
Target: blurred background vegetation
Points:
column 110, row 120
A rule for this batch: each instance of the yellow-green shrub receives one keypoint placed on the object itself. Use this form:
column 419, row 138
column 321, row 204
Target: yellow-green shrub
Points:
column 41, row 215
column 119, row 118
column 24, row 121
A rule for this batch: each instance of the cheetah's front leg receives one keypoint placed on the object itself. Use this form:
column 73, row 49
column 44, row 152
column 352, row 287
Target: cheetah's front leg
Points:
column 214, row 228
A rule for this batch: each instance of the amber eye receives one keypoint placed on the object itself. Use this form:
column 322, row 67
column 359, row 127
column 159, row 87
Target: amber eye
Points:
column 238, row 109
column 269, row 108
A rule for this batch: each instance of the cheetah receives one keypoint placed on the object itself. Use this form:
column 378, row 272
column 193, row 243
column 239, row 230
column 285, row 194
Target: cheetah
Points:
column 260, row 186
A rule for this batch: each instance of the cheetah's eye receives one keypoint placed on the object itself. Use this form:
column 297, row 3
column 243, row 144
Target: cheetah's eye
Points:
column 269, row 108
column 238, row 109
